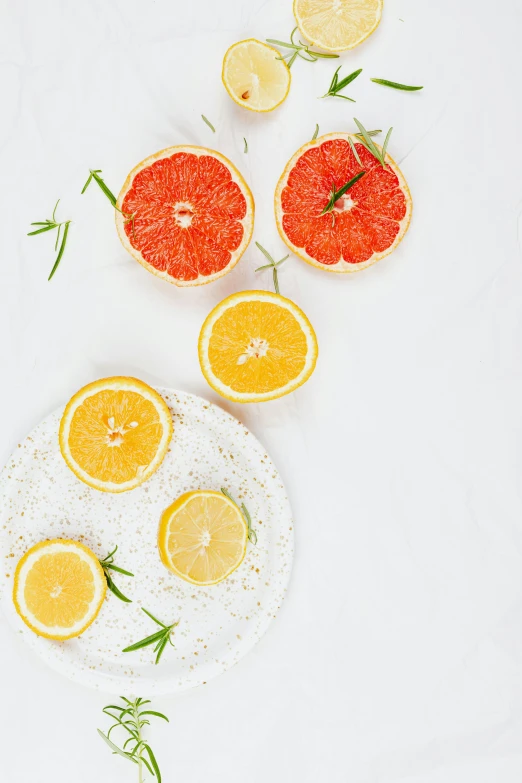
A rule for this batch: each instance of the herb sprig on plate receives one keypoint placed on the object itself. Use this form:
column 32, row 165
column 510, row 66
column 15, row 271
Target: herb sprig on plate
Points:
column 160, row 639
column 336, row 85
column 94, row 174
column 49, row 225
column 108, row 565
column 366, row 140
column 274, row 265
column 336, row 194
column 299, row 49
column 397, row 85
column 132, row 718
column 252, row 535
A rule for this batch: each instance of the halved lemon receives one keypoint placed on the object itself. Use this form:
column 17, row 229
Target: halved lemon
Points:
column 255, row 76
column 336, row 25
column 202, row 537
column 59, row 587
column 114, row 433
column 257, row 346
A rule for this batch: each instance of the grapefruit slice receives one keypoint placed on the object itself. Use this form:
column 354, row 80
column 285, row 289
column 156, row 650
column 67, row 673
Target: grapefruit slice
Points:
column 59, row 587
column 256, row 346
column 336, row 25
column 202, row 537
column 367, row 222
column 186, row 214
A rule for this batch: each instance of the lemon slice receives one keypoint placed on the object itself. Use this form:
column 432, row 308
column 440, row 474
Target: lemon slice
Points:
column 254, row 77
column 202, row 537
column 336, row 25
column 257, row 346
column 114, row 433
column 59, row 587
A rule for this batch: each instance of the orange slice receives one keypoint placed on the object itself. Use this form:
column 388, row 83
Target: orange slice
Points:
column 202, row 537
column 114, row 433
column 59, row 587
column 367, row 223
column 257, row 346
column 186, row 214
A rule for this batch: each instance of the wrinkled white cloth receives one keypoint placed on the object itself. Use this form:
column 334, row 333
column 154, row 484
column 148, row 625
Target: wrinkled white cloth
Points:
column 398, row 653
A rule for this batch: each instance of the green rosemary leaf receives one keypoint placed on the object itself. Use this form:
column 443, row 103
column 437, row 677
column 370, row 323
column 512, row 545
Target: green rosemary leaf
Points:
column 354, row 150
column 40, row 230
column 149, row 614
column 325, row 56
column 336, row 194
column 246, row 145
column 115, row 748
column 267, row 255
column 145, row 642
column 115, row 590
column 153, row 762
column 117, row 568
column 348, row 79
column 157, row 714
column 252, row 535
column 385, row 145
column 397, row 85
column 315, row 132
column 160, row 649
column 61, row 250
column 285, row 44
column 208, row 123
column 300, row 49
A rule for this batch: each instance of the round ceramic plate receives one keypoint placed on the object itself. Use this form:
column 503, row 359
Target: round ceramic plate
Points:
column 40, row 498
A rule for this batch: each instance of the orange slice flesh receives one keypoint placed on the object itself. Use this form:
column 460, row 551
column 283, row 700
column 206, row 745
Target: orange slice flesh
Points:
column 257, row 346
column 186, row 214
column 59, row 587
column 202, row 537
column 114, row 433
column 367, row 223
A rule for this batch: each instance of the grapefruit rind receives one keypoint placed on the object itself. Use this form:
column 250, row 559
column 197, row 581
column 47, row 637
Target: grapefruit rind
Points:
column 116, row 383
column 264, row 296
column 22, row 569
column 320, row 42
column 229, row 89
column 342, row 267
column 164, row 527
column 247, row 222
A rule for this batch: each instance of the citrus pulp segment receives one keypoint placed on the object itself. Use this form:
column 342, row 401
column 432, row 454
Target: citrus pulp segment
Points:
column 59, row 587
column 256, row 346
column 367, row 222
column 255, row 76
column 336, row 25
column 202, row 537
column 186, row 214
column 114, row 433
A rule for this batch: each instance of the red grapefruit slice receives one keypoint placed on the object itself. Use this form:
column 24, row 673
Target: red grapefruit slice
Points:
column 367, row 222
column 188, row 215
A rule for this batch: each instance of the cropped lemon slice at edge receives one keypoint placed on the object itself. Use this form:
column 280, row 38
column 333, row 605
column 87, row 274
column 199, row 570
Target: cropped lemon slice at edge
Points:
column 337, row 25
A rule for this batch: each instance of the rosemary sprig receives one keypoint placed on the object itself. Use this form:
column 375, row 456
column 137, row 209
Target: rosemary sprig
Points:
column 208, row 123
column 49, row 225
column 336, row 86
column 273, row 264
column 336, row 194
column 366, row 140
column 315, row 132
column 108, row 565
column 246, row 145
column 397, row 85
column 94, row 174
column 352, row 145
column 299, row 49
column 160, row 638
column 132, row 718
column 252, row 535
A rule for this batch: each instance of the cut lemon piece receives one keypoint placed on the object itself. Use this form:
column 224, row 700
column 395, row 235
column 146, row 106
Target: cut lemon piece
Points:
column 336, row 25
column 202, row 537
column 114, row 433
column 255, row 76
column 256, row 346
column 59, row 587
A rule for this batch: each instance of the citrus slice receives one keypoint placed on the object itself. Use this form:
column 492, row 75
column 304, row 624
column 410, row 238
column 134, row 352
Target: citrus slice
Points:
column 336, row 25
column 202, row 537
column 367, row 222
column 186, row 214
column 255, row 76
column 256, row 346
column 59, row 587
column 114, row 433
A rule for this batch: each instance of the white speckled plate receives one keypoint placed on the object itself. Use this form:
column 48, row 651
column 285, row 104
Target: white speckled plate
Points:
column 40, row 498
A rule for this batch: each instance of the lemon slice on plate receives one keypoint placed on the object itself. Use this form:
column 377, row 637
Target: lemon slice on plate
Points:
column 255, row 76
column 336, row 25
column 257, row 346
column 114, row 433
column 59, row 587
column 202, row 537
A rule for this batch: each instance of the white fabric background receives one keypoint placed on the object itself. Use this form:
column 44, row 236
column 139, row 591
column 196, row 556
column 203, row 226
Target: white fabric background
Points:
column 398, row 653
